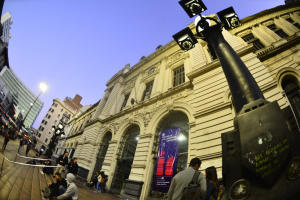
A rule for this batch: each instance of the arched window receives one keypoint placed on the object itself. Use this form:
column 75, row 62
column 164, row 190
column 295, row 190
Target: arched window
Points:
column 102, row 151
column 173, row 120
column 126, row 154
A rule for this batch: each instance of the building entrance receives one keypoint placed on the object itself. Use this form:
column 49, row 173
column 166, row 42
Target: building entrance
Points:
column 170, row 121
column 125, row 158
column 102, row 152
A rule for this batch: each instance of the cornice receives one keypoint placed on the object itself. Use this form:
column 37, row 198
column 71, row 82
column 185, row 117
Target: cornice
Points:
column 215, row 64
column 271, row 52
column 149, row 135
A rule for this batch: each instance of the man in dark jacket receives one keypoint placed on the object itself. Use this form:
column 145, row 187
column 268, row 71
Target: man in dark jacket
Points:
column 6, row 139
column 28, row 148
column 62, row 161
column 73, row 166
column 56, row 189
column 21, row 144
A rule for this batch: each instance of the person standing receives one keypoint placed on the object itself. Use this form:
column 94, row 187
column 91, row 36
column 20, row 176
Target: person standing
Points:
column 62, row 161
column 28, row 148
column 6, row 139
column 21, row 144
column 103, row 182
column 98, row 188
column 182, row 180
column 73, row 166
column 212, row 182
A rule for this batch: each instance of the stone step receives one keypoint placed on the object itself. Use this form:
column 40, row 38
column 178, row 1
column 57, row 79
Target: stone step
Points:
column 26, row 190
column 17, row 187
column 43, row 182
column 6, row 176
column 10, row 181
column 35, row 189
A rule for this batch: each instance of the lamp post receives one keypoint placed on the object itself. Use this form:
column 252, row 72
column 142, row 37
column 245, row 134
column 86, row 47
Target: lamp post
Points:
column 58, row 132
column 43, row 88
column 261, row 156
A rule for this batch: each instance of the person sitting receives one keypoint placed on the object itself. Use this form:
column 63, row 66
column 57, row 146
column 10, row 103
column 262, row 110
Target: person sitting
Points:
column 47, row 170
column 73, row 166
column 93, row 181
column 72, row 190
column 213, row 186
column 55, row 189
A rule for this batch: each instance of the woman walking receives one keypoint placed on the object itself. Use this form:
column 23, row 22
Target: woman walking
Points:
column 213, row 186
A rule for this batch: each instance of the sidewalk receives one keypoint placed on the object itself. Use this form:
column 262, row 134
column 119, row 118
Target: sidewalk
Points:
column 26, row 182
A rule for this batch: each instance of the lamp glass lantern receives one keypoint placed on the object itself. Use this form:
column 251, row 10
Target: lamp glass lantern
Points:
column 185, row 39
column 57, row 132
column 229, row 18
column 60, row 126
column 193, row 7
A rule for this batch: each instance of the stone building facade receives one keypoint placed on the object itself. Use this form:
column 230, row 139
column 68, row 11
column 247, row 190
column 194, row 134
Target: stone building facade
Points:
column 171, row 88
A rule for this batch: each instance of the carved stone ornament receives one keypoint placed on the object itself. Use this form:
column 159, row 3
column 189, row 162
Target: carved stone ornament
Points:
column 179, row 55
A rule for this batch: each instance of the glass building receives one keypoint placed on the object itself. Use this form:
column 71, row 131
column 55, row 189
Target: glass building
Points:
column 6, row 22
column 21, row 95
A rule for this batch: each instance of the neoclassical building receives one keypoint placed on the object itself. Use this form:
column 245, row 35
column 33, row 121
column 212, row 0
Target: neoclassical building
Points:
column 171, row 88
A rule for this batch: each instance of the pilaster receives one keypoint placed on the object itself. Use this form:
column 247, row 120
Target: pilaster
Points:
column 284, row 26
column 110, row 100
column 295, row 17
column 161, row 76
column 274, row 37
column 233, row 42
column 101, row 104
column 262, row 36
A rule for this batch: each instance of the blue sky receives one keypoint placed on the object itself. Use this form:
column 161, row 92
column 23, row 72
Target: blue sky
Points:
column 76, row 46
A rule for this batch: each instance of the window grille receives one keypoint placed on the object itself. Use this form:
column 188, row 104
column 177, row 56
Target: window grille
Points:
column 178, row 77
column 293, row 22
column 278, row 31
column 255, row 41
column 125, row 101
column 148, row 90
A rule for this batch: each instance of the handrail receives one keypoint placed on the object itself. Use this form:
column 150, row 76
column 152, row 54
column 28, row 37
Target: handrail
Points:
column 32, row 164
column 34, row 158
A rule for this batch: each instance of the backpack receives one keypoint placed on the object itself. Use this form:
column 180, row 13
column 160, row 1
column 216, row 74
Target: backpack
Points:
column 192, row 191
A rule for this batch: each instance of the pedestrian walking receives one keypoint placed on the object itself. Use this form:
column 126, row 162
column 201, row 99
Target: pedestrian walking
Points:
column 213, row 187
column 28, row 148
column 73, row 167
column 21, row 144
column 181, row 181
column 62, row 161
column 6, row 139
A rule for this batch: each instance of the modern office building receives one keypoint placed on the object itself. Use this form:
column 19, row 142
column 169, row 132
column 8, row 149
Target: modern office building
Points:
column 171, row 88
column 22, row 95
column 59, row 112
column 6, row 22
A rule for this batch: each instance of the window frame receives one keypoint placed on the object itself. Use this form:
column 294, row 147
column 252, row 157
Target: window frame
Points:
column 125, row 101
column 179, row 76
column 149, row 88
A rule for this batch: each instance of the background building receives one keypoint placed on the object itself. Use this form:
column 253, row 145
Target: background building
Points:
column 21, row 95
column 173, row 88
column 59, row 112
column 6, row 22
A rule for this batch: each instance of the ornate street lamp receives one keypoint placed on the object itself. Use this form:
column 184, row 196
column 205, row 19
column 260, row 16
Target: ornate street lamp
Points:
column 261, row 156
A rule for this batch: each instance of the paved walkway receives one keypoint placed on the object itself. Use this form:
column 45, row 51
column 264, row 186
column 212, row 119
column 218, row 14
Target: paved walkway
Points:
column 20, row 182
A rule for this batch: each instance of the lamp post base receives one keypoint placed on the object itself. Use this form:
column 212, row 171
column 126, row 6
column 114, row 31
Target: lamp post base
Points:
column 261, row 158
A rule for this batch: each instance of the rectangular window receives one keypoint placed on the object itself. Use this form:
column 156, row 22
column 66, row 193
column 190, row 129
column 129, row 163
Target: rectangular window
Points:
column 46, row 122
column 46, row 140
column 278, row 31
column 49, row 116
column 43, row 121
column 42, row 128
column 55, row 121
column 46, row 115
column 52, row 110
column 147, row 91
column 293, row 22
column 49, row 134
column 255, row 41
column 125, row 101
column 39, row 135
column 178, row 76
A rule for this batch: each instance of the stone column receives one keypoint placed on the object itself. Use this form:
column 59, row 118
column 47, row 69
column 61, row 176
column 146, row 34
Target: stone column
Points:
column 161, row 76
column 274, row 37
column 187, row 68
column 110, row 100
column 233, row 42
column 101, row 104
column 109, row 161
column 283, row 24
column 167, row 81
column 295, row 17
column 263, row 38
column 154, row 85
